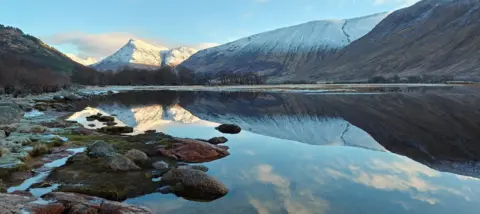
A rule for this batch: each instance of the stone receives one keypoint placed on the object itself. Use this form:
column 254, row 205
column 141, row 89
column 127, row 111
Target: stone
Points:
column 110, row 123
column 106, row 119
column 10, row 113
column 229, row 129
column 195, row 184
column 118, row 162
column 41, row 106
column 109, row 92
column 218, row 140
column 91, row 125
column 29, row 128
column 165, row 190
column 23, row 193
column 79, row 203
column 100, row 149
column 3, row 134
column 70, row 97
column 192, row 151
column 9, row 128
column 160, row 165
column 136, row 155
column 10, row 203
column 115, row 130
column 54, row 208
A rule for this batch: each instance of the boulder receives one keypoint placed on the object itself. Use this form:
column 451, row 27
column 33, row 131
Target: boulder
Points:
column 100, row 149
column 79, row 203
column 218, row 140
column 30, row 128
column 118, row 162
column 192, row 151
column 110, row 123
column 41, row 106
column 160, row 165
column 136, row 155
column 13, row 203
column 3, row 134
column 229, row 129
column 10, row 113
column 106, row 119
column 115, row 130
column 195, row 184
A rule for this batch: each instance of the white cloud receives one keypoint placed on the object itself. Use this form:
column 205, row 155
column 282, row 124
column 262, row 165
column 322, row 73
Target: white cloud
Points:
column 103, row 44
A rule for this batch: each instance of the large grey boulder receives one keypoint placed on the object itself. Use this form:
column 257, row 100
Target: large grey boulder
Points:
column 136, row 155
column 195, row 184
column 100, row 149
column 118, row 162
column 10, row 113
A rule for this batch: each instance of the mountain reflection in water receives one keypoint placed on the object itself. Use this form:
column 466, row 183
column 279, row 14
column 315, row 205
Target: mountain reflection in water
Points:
column 275, row 167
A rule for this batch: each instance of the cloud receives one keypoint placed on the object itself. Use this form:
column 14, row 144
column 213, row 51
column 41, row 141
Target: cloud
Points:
column 103, row 44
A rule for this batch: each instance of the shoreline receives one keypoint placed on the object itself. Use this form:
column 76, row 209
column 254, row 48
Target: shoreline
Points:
column 52, row 148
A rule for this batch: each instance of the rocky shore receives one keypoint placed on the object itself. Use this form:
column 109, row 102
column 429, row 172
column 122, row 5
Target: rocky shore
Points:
column 50, row 164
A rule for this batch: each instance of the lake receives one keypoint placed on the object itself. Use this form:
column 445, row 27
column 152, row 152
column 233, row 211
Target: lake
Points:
column 401, row 150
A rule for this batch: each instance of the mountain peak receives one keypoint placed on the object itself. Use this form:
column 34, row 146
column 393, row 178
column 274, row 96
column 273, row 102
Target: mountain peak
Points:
column 140, row 54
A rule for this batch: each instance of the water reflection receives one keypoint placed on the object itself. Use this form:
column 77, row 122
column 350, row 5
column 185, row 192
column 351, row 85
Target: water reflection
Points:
column 268, row 175
column 276, row 167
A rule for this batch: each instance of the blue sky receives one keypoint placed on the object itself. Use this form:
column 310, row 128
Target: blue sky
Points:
column 98, row 27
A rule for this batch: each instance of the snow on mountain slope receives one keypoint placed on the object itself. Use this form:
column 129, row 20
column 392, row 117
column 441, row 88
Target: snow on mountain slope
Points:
column 281, row 52
column 86, row 61
column 140, row 54
column 432, row 38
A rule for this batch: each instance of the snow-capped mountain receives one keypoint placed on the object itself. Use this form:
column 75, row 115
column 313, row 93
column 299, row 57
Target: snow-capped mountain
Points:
column 140, row 54
column 86, row 61
column 431, row 38
column 283, row 51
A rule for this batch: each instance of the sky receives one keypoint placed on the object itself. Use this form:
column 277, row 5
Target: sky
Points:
column 97, row 28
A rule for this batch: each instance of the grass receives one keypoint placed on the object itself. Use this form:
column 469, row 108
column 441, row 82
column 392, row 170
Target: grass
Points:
column 39, row 149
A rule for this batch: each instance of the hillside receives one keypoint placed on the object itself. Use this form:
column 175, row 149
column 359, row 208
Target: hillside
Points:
column 282, row 53
column 432, row 37
column 26, row 60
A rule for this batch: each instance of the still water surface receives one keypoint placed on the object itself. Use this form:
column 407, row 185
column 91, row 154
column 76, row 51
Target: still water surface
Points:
column 319, row 153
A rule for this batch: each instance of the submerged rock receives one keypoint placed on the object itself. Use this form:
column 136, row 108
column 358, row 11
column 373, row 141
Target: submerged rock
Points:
column 115, row 130
column 100, row 149
column 136, row 155
column 218, row 140
column 229, row 129
column 106, row 119
column 195, row 184
column 192, row 151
